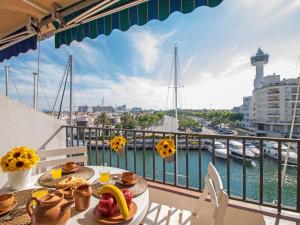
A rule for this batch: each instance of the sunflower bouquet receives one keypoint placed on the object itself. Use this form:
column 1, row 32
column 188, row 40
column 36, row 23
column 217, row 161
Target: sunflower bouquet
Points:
column 19, row 158
column 117, row 144
column 166, row 148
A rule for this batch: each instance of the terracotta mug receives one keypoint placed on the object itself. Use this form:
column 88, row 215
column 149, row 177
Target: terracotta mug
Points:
column 6, row 201
column 70, row 165
column 128, row 177
column 82, row 196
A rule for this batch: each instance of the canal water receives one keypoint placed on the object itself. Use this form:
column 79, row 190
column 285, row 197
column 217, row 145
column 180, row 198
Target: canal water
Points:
column 236, row 173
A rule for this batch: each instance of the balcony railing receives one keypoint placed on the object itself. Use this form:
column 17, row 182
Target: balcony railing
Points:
column 257, row 182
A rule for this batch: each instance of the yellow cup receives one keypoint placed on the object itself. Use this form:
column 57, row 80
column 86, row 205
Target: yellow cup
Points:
column 56, row 173
column 104, row 175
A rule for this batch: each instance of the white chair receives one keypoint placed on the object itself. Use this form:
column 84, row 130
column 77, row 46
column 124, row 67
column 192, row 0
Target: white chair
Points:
column 166, row 215
column 54, row 157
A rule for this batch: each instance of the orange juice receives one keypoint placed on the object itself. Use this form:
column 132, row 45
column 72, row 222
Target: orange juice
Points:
column 56, row 173
column 39, row 193
column 104, row 176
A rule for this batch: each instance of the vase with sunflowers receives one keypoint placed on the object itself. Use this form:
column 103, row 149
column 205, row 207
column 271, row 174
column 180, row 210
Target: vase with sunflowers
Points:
column 18, row 163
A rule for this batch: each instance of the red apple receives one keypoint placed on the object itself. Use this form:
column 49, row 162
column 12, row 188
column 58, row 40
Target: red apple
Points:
column 128, row 196
column 107, row 207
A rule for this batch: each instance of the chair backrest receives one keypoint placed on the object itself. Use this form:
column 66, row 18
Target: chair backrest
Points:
column 55, row 157
column 218, row 198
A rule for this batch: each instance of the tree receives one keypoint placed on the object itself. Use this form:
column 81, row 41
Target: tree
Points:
column 128, row 121
column 186, row 122
column 147, row 120
column 103, row 120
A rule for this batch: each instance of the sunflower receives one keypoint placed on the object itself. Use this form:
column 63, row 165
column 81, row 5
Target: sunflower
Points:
column 4, row 164
column 31, row 156
column 117, row 143
column 20, row 164
column 16, row 153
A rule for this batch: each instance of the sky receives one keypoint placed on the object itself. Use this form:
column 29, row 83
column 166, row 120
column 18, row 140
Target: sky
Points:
column 135, row 67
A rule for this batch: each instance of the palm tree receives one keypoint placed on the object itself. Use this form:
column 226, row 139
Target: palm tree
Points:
column 102, row 119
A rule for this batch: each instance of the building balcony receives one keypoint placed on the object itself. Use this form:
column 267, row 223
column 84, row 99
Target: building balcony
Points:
column 274, row 114
column 273, row 93
column 273, row 108
column 273, row 100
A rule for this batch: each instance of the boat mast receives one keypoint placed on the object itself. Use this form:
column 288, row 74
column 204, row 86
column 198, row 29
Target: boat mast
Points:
column 71, row 84
column 176, row 107
column 35, row 90
column 6, row 68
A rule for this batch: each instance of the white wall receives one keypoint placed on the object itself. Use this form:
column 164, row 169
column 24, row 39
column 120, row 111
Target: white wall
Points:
column 21, row 125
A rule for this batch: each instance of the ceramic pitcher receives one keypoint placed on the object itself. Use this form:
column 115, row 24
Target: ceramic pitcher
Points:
column 52, row 209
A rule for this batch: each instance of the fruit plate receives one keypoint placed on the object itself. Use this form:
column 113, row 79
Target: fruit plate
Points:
column 115, row 218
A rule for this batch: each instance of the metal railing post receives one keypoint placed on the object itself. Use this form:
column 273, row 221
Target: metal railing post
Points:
column 90, row 147
column 144, row 156
column 279, row 178
column 164, row 166
column 200, row 164
column 175, row 162
column 298, row 176
column 96, row 146
column 134, row 151
column 153, row 155
column 244, row 169
column 110, row 150
column 187, row 160
column 213, row 159
column 228, row 167
column 103, row 147
column 261, row 172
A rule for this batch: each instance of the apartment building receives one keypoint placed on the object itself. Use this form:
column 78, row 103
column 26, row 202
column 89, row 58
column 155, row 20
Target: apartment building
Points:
column 269, row 110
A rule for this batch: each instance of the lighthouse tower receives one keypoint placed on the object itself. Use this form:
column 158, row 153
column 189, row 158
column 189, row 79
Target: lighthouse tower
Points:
column 259, row 60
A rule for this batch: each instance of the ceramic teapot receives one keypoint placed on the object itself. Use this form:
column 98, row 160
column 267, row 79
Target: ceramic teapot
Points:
column 52, row 209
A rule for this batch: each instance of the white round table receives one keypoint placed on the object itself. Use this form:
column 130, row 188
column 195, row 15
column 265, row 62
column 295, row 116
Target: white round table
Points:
column 86, row 217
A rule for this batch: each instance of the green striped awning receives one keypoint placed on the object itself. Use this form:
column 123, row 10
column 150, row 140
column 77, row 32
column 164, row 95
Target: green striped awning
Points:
column 125, row 18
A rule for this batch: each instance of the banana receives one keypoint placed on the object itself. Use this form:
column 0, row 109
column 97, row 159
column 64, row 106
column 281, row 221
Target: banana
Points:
column 116, row 192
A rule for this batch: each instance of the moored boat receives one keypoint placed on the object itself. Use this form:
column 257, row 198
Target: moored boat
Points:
column 236, row 150
column 220, row 150
column 271, row 150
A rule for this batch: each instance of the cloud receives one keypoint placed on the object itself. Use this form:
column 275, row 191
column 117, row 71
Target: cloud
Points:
column 127, row 89
column 148, row 47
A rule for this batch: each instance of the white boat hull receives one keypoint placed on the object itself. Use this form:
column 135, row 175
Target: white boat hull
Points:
column 220, row 153
column 291, row 160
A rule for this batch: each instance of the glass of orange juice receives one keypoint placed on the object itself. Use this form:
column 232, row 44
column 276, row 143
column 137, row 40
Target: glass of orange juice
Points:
column 39, row 193
column 104, row 175
column 56, row 173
